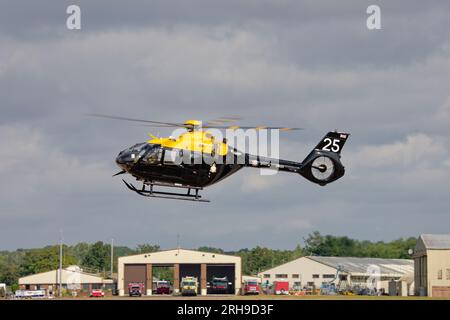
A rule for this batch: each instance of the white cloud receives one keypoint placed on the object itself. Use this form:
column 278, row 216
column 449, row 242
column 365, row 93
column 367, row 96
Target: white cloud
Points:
column 417, row 150
column 32, row 168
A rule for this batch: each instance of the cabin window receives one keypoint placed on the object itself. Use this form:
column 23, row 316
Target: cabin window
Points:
column 173, row 156
column 154, row 156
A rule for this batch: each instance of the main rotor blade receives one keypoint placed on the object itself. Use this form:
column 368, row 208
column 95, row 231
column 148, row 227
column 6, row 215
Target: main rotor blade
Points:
column 169, row 124
column 221, row 120
column 206, row 125
column 256, row 128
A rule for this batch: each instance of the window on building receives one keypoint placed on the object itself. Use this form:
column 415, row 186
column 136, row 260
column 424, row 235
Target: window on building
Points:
column 97, row 286
column 295, row 276
column 439, row 275
column 297, row 285
column 109, row 286
column 315, row 276
column 267, row 276
column 281, row 276
column 447, row 274
column 328, row 276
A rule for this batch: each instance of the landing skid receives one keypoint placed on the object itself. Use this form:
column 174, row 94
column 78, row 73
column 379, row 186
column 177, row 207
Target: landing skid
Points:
column 167, row 195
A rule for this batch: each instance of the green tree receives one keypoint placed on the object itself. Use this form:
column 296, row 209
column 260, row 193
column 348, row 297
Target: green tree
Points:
column 79, row 251
column 45, row 259
column 97, row 256
column 9, row 274
column 329, row 245
column 147, row 248
column 210, row 249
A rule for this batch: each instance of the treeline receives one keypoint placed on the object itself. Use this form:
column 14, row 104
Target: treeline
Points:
column 96, row 257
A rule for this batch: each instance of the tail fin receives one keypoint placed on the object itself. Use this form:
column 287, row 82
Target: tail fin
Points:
column 323, row 164
column 333, row 142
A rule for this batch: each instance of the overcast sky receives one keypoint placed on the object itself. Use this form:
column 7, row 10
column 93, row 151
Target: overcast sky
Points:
column 312, row 64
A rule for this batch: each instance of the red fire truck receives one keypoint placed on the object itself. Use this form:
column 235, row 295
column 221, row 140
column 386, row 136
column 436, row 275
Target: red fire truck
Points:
column 135, row 289
column 281, row 287
column 163, row 287
column 251, row 286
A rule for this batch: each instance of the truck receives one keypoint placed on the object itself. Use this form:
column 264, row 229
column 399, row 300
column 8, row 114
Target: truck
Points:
column 163, row 287
column 29, row 294
column 251, row 286
column 281, row 287
column 220, row 285
column 135, row 289
column 189, row 286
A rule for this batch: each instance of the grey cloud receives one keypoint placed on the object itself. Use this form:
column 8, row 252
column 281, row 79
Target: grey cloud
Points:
column 273, row 62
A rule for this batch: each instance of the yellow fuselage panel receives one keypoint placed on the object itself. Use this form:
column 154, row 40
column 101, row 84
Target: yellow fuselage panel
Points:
column 199, row 141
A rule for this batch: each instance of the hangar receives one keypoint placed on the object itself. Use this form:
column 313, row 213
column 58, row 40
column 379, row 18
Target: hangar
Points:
column 432, row 265
column 73, row 279
column 313, row 271
column 203, row 265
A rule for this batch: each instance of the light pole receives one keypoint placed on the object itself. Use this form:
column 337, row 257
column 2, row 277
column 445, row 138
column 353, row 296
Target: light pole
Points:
column 60, row 263
column 112, row 256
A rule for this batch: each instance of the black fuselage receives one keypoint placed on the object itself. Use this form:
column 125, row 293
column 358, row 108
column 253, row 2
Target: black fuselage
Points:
column 155, row 164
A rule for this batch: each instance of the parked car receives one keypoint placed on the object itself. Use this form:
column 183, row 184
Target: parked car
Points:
column 97, row 293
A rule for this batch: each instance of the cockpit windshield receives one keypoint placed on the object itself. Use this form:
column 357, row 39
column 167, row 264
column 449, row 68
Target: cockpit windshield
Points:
column 138, row 147
column 145, row 153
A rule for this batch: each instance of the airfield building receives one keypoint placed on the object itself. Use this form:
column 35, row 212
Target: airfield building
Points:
column 74, row 281
column 314, row 271
column 432, row 265
column 202, row 265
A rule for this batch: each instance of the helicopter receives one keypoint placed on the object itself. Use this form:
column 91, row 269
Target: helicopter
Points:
column 196, row 159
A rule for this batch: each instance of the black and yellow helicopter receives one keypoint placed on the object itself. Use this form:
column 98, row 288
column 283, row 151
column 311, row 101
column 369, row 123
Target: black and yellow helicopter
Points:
column 195, row 159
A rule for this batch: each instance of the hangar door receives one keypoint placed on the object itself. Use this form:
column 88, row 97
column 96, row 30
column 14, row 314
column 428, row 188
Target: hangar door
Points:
column 220, row 271
column 135, row 273
column 440, row 291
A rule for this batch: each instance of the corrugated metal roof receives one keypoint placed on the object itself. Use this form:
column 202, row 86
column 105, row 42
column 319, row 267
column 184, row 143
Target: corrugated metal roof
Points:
column 355, row 265
column 436, row 241
column 68, row 276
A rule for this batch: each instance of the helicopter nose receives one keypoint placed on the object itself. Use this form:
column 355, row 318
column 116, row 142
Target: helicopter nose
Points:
column 124, row 159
